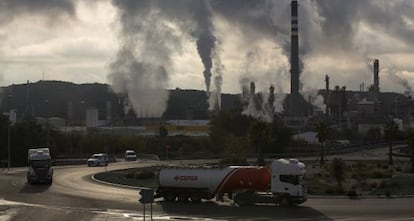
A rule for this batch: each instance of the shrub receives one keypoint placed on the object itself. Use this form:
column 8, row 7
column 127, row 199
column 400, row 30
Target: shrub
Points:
column 140, row 175
column 398, row 169
column 388, row 193
column 234, row 162
column 352, row 193
column 338, row 170
column 378, row 174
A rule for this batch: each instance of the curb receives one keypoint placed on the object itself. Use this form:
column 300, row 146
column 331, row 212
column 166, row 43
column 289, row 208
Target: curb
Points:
column 357, row 197
column 115, row 184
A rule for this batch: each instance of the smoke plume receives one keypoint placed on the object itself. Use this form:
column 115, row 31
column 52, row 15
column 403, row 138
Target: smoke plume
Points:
column 215, row 96
column 140, row 67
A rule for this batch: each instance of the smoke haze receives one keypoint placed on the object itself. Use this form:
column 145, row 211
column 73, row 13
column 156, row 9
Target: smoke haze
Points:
column 141, row 67
column 335, row 37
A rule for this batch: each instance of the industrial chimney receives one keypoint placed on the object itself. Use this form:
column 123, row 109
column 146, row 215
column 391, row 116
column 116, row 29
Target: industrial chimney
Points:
column 376, row 77
column 252, row 89
column 294, row 51
column 327, row 95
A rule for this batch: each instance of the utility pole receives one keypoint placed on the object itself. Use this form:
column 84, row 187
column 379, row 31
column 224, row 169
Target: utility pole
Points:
column 8, row 145
column 9, row 97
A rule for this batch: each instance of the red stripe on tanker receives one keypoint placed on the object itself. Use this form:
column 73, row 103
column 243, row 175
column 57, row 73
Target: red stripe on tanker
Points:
column 225, row 179
column 254, row 178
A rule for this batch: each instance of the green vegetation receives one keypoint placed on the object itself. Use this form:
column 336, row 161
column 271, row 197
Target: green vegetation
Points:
column 390, row 132
column 322, row 135
column 354, row 179
column 143, row 177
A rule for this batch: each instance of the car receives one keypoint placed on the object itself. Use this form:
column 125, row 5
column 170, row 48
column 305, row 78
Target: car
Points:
column 130, row 155
column 98, row 159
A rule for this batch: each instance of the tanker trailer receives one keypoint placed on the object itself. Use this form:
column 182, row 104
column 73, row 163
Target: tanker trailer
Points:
column 280, row 183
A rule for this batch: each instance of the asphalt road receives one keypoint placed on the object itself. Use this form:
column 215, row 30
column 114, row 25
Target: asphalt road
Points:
column 74, row 196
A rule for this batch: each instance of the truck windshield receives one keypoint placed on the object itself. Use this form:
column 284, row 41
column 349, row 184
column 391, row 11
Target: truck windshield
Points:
column 292, row 179
column 40, row 163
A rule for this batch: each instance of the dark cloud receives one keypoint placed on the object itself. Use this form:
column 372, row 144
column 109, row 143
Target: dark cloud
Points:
column 51, row 9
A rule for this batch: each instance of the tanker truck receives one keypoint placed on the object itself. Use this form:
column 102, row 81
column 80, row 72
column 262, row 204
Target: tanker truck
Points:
column 280, row 183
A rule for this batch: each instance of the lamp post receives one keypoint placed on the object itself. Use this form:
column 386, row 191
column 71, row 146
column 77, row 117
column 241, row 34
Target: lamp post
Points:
column 81, row 136
column 9, row 97
column 47, row 123
column 8, row 144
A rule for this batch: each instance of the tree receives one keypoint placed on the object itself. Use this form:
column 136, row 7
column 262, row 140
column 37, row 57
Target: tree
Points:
column 410, row 142
column 322, row 131
column 259, row 137
column 226, row 123
column 236, row 150
column 25, row 134
column 281, row 135
column 390, row 132
column 163, row 131
column 338, row 171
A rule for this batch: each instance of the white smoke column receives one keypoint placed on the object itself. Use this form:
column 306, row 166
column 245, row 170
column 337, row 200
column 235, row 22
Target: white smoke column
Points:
column 316, row 99
column 257, row 106
column 278, row 103
column 395, row 76
column 140, row 68
column 215, row 97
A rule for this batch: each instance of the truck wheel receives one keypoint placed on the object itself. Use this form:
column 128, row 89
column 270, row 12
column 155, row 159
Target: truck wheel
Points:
column 241, row 201
column 182, row 197
column 195, row 197
column 169, row 196
column 285, row 202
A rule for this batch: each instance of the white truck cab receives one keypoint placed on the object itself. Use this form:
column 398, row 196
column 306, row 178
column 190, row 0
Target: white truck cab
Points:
column 40, row 165
column 288, row 179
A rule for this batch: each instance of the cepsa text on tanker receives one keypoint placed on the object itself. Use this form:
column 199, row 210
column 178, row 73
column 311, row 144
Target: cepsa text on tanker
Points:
column 185, row 178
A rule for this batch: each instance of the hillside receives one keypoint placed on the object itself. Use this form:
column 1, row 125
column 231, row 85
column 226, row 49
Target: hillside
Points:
column 70, row 101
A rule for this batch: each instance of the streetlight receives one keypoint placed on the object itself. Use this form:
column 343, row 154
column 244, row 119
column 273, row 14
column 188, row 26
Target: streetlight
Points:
column 8, row 144
column 47, row 123
column 9, row 97
column 81, row 134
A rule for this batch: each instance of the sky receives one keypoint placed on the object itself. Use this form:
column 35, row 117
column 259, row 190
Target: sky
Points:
column 144, row 46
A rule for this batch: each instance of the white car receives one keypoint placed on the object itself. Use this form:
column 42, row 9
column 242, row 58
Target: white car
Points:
column 98, row 159
column 130, row 155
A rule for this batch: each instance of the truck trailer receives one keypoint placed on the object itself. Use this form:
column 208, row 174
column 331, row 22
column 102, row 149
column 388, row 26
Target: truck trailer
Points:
column 281, row 183
column 40, row 166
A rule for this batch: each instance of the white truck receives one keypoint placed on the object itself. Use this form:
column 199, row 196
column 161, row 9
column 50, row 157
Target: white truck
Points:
column 40, row 166
column 281, row 183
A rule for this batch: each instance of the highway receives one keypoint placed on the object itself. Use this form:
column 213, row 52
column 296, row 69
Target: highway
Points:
column 75, row 196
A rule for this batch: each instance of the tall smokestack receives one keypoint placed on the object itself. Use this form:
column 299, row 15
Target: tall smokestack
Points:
column 252, row 89
column 294, row 51
column 327, row 95
column 376, row 77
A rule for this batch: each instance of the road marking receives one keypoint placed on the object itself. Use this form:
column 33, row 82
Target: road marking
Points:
column 397, row 219
column 114, row 213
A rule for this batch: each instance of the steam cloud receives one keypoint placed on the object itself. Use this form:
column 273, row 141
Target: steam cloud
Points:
column 141, row 65
column 151, row 32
